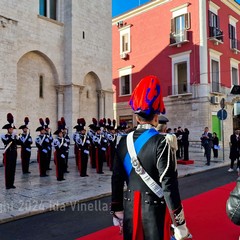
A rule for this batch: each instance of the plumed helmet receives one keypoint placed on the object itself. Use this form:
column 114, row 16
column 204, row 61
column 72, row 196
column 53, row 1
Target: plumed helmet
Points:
column 147, row 97
column 47, row 120
column 26, row 121
column 63, row 122
column 41, row 122
column 10, row 120
column 94, row 120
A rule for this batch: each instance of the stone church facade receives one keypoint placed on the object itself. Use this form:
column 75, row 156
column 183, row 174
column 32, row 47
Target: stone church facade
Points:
column 55, row 61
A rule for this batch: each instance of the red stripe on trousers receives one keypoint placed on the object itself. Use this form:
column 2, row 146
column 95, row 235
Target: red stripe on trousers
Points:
column 79, row 161
column 5, row 163
column 56, row 163
column 137, row 217
column 97, row 163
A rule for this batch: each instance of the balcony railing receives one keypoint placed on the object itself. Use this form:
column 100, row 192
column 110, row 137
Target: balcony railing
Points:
column 179, row 37
column 178, row 89
column 216, row 33
column 216, row 87
column 235, row 45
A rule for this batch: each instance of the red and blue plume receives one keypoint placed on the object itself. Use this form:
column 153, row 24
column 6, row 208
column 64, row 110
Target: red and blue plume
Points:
column 123, row 123
column 26, row 120
column 10, row 118
column 104, row 121
column 81, row 122
column 109, row 121
column 101, row 123
column 47, row 120
column 114, row 122
column 41, row 122
column 147, row 97
column 94, row 120
column 63, row 122
column 60, row 125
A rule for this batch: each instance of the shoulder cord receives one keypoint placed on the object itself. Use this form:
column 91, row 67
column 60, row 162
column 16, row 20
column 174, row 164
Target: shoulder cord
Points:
column 168, row 160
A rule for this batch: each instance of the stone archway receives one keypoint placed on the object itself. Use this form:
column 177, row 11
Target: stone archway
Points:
column 36, row 91
column 90, row 99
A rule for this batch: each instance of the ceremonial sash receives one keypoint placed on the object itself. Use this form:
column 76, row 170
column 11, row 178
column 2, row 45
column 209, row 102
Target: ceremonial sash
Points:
column 138, row 144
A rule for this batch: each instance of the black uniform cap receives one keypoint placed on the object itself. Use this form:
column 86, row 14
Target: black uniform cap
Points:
column 162, row 119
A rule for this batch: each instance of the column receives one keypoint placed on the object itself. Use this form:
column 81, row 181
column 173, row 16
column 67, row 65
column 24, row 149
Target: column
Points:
column 60, row 96
column 101, row 103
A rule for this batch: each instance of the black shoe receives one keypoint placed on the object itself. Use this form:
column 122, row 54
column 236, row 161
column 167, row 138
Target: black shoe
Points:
column 13, row 186
column 66, row 172
column 61, row 179
column 44, row 175
column 100, row 172
column 208, row 164
column 49, row 169
column 8, row 187
column 84, row 175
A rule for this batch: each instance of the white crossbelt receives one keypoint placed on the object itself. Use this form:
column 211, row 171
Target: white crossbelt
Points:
column 140, row 170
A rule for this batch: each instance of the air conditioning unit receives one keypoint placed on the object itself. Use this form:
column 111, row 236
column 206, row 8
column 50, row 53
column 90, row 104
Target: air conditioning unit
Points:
column 123, row 55
column 215, row 100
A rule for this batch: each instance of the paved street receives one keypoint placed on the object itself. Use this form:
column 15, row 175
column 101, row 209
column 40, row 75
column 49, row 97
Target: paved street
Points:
column 34, row 195
column 78, row 220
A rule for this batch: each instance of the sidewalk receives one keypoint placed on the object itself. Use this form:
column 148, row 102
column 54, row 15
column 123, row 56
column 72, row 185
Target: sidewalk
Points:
column 35, row 195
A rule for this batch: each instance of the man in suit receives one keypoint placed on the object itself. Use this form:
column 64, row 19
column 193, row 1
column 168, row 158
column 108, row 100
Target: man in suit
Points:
column 206, row 140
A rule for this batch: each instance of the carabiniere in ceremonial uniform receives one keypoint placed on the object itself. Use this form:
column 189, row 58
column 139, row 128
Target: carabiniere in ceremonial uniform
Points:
column 25, row 142
column 10, row 141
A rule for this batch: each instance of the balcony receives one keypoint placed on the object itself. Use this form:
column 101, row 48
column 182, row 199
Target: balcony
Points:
column 234, row 43
column 215, row 35
column 180, row 89
column 177, row 39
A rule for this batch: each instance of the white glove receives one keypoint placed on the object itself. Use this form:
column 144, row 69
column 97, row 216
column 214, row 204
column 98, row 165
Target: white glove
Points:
column 181, row 232
column 118, row 218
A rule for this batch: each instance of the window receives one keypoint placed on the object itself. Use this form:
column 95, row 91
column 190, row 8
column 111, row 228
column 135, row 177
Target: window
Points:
column 125, row 85
column 48, row 8
column 125, row 40
column 125, row 80
column 179, row 25
column 41, row 87
column 234, row 76
column 215, row 76
column 214, row 27
column 180, row 74
column 232, row 32
column 43, row 7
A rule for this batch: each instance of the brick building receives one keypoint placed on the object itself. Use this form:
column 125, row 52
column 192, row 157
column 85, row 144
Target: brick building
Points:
column 193, row 47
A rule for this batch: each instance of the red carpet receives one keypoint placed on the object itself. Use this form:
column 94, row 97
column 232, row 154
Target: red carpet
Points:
column 205, row 214
column 185, row 162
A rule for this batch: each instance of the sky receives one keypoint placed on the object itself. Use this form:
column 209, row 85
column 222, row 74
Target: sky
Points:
column 121, row 6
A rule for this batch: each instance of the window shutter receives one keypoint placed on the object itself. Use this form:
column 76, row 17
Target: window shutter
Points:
column 218, row 22
column 187, row 20
column 230, row 30
column 172, row 25
column 210, row 18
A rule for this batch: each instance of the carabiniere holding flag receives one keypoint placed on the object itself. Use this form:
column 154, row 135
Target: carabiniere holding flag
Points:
column 145, row 161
